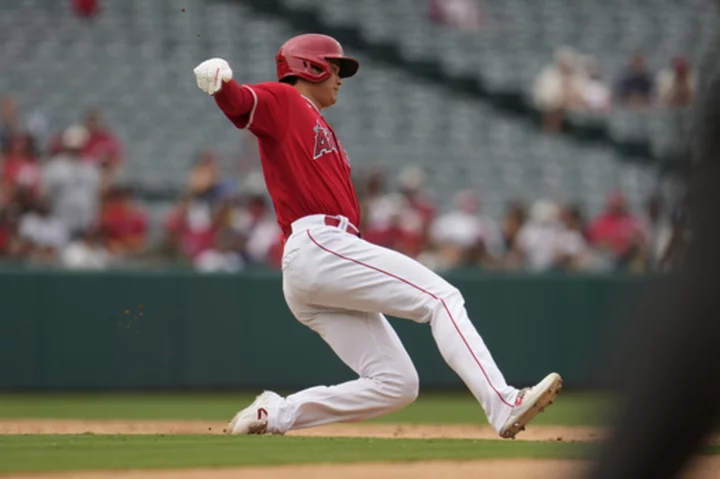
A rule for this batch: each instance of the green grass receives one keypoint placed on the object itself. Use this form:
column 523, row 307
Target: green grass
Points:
column 50, row 452
column 570, row 409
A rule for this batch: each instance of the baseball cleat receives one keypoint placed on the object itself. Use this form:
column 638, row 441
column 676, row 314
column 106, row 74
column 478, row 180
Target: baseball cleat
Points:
column 254, row 418
column 529, row 403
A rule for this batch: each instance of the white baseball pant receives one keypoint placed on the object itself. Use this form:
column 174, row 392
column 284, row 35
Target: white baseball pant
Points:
column 341, row 286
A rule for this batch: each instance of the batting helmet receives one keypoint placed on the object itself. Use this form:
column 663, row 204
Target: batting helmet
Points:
column 300, row 54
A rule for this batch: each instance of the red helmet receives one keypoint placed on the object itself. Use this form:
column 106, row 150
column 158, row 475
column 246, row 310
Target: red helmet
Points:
column 299, row 54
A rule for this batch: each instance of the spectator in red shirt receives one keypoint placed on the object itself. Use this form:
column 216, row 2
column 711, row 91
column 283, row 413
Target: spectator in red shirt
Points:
column 382, row 215
column 124, row 224
column 616, row 230
column 412, row 180
column 102, row 146
column 419, row 213
column 401, row 230
column 190, row 228
column 20, row 168
column 86, row 8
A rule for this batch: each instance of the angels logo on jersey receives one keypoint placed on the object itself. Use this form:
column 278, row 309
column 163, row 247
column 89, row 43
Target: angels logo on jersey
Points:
column 324, row 141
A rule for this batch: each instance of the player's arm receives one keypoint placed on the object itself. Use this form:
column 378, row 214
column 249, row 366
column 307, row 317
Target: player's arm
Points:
column 258, row 108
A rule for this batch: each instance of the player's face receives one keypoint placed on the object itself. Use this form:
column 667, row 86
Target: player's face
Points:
column 327, row 90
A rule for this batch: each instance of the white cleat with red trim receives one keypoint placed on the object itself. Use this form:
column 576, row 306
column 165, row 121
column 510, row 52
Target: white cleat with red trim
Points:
column 254, row 418
column 529, row 403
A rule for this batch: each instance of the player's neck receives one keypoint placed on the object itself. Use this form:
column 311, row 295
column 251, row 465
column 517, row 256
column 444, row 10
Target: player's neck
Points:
column 307, row 94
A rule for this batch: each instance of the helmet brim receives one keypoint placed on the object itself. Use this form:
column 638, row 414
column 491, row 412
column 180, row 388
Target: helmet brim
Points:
column 348, row 66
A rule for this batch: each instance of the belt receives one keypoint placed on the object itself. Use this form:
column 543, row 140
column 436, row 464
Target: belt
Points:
column 341, row 222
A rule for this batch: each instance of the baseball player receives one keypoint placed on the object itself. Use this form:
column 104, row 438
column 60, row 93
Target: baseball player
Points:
column 335, row 282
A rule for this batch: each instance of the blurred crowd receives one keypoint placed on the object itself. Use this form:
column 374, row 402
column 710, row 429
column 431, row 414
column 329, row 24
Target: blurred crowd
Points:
column 574, row 82
column 61, row 205
column 220, row 225
column 541, row 236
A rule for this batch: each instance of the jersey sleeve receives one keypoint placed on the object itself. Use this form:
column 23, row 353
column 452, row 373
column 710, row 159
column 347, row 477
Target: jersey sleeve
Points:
column 262, row 108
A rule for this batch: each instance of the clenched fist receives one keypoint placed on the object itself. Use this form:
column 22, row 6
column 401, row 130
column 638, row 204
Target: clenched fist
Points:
column 211, row 74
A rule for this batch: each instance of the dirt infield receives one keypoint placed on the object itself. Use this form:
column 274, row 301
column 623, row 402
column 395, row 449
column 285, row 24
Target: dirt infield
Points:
column 417, row 470
column 506, row 469
column 410, row 431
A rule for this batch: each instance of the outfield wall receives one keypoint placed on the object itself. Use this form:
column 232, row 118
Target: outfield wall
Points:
column 181, row 330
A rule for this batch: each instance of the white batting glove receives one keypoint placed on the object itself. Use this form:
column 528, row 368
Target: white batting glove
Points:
column 211, row 74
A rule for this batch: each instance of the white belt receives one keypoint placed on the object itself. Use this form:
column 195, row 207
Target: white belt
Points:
column 311, row 221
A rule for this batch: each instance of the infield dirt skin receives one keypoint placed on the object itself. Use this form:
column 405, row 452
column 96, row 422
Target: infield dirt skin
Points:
column 378, row 430
column 707, row 468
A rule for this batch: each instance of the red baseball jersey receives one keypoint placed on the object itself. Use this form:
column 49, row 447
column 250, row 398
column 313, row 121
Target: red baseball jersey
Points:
column 306, row 170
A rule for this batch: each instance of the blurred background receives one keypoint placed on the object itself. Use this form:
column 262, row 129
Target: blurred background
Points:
column 523, row 139
column 502, row 135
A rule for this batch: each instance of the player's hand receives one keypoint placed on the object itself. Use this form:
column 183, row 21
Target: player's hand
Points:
column 211, row 74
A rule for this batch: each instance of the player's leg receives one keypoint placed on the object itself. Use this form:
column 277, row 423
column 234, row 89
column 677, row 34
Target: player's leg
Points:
column 369, row 346
column 345, row 272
